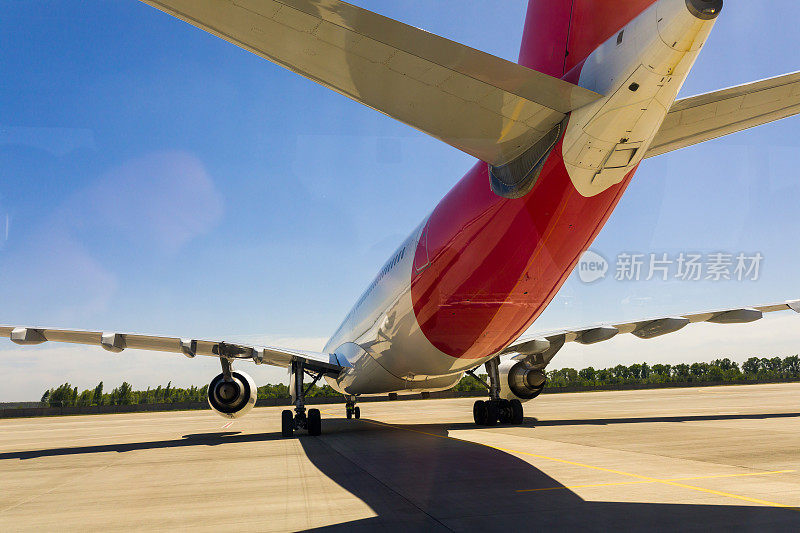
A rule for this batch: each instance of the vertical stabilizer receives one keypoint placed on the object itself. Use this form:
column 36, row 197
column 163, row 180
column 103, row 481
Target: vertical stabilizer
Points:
column 560, row 34
column 544, row 41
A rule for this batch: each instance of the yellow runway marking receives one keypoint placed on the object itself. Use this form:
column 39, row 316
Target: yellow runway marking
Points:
column 601, row 469
column 644, row 482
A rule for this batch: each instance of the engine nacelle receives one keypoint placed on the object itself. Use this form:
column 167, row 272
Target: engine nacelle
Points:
column 232, row 399
column 519, row 380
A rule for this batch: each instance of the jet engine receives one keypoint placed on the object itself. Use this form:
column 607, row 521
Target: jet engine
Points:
column 519, row 379
column 232, row 398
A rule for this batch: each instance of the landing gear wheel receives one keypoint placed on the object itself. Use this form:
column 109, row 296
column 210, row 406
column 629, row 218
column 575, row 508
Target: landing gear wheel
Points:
column 314, row 422
column 287, row 423
column 492, row 413
column 479, row 412
column 357, row 412
column 506, row 414
column 349, row 412
column 516, row 408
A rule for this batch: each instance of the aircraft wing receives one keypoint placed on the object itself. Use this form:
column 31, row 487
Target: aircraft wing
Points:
column 117, row 342
column 546, row 345
column 485, row 106
column 708, row 116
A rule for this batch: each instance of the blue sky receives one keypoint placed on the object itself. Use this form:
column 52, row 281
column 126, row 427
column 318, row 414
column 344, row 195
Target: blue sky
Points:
column 156, row 179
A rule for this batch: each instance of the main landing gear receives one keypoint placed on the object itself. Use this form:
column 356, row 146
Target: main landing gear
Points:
column 311, row 421
column 351, row 409
column 495, row 410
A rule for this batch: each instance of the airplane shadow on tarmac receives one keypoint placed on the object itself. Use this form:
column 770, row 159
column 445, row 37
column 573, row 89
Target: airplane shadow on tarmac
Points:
column 200, row 439
column 411, row 477
column 413, row 480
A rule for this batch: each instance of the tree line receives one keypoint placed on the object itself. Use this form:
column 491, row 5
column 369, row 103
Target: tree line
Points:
column 68, row 396
column 718, row 370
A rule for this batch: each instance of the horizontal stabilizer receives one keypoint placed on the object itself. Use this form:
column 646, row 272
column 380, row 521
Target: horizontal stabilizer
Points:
column 701, row 118
column 483, row 105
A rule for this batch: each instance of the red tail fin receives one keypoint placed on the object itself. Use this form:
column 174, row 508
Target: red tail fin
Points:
column 559, row 34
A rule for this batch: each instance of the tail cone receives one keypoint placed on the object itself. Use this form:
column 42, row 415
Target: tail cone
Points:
column 705, row 9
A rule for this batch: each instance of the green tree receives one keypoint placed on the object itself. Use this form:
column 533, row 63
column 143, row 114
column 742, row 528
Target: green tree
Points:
column 772, row 366
column 588, row 374
column 604, row 377
column 97, row 396
column 122, row 395
column 681, row 372
column 751, row 366
column 662, row 373
column 85, row 398
column 621, row 372
column 698, row 370
column 791, row 365
column 61, row 396
column 714, row 373
column 724, row 364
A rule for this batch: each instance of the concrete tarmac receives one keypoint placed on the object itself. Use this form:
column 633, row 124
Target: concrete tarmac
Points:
column 663, row 460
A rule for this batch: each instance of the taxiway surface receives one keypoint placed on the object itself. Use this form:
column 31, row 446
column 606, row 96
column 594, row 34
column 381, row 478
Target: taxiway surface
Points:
column 685, row 459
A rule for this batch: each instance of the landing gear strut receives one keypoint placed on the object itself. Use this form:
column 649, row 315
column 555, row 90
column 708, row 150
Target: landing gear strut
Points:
column 495, row 410
column 351, row 409
column 310, row 421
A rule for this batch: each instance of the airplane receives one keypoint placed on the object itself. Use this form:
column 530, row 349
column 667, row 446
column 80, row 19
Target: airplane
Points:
column 558, row 137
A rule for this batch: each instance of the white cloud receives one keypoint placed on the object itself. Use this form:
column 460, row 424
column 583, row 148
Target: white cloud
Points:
column 163, row 198
column 159, row 201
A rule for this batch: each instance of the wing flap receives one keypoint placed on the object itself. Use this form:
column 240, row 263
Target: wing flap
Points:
column 708, row 116
column 485, row 106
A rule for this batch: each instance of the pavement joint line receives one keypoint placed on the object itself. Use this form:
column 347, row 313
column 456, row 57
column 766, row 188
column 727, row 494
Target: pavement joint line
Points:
column 645, row 482
column 600, row 468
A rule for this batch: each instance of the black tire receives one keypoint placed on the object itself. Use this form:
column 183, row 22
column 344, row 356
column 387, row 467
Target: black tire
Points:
column 479, row 412
column 349, row 413
column 287, row 423
column 505, row 412
column 492, row 413
column 357, row 412
column 516, row 408
column 314, row 422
